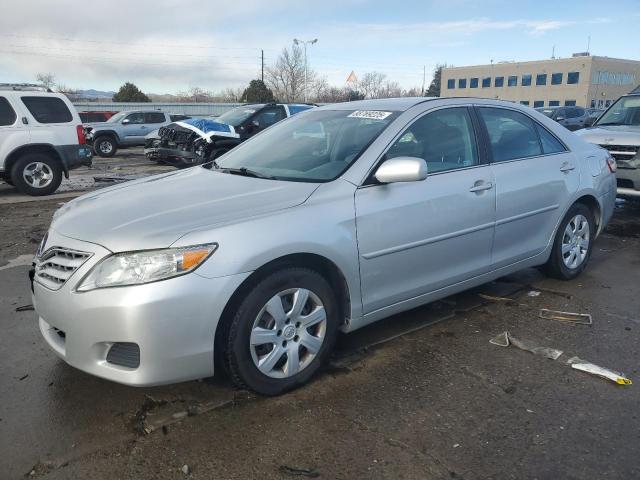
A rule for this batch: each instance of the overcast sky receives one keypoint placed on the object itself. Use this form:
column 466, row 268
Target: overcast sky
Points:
column 165, row 46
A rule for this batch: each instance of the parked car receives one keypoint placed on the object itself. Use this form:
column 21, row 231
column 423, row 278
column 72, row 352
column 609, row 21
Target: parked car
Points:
column 331, row 220
column 95, row 117
column 594, row 113
column 618, row 131
column 125, row 129
column 41, row 138
column 572, row 118
column 195, row 141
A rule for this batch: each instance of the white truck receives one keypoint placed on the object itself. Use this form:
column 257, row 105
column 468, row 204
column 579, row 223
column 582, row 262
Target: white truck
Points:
column 41, row 138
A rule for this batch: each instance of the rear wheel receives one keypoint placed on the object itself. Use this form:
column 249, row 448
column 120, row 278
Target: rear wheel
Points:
column 573, row 244
column 105, row 146
column 37, row 174
column 283, row 331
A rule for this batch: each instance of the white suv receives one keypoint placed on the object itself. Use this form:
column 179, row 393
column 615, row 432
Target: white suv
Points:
column 41, row 138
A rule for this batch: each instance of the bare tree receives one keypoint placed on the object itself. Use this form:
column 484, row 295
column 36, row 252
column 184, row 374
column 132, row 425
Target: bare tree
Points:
column 230, row 95
column 47, row 80
column 371, row 84
column 286, row 76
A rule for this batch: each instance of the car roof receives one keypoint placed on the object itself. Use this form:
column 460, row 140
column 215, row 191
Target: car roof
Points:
column 394, row 104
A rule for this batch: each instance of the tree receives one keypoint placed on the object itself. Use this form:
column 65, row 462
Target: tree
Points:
column 286, row 76
column 47, row 80
column 130, row 93
column 257, row 92
column 434, row 87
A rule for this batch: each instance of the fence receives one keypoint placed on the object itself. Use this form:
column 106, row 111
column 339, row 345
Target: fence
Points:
column 203, row 109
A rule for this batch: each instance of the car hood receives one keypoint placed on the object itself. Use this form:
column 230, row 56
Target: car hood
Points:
column 156, row 211
column 611, row 135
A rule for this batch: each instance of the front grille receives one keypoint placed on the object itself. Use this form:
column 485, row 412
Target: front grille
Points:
column 124, row 354
column 621, row 152
column 57, row 264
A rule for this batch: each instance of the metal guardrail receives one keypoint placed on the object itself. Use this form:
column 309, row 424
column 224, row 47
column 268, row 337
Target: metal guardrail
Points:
column 179, row 108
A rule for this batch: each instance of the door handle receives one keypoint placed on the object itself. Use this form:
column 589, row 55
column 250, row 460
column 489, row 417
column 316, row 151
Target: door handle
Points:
column 479, row 187
column 567, row 167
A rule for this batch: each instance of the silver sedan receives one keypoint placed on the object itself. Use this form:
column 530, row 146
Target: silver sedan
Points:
column 326, row 222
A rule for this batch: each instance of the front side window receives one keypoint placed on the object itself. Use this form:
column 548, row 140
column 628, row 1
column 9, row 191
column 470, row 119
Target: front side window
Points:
column 512, row 81
column 473, row 83
column 136, row 118
column 451, row 83
column 556, row 79
column 486, row 82
column 499, row 82
column 313, row 146
column 512, row 134
column 541, row 79
column 573, row 78
column 48, row 109
column 462, row 83
column 445, row 139
column 7, row 114
column 526, row 80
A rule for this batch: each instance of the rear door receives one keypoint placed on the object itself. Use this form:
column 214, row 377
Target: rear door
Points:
column 535, row 175
column 13, row 133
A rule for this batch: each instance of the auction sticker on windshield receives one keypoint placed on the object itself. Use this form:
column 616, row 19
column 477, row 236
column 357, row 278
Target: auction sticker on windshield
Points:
column 371, row 114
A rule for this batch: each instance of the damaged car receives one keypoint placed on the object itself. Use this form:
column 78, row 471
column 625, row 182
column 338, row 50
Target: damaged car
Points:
column 199, row 140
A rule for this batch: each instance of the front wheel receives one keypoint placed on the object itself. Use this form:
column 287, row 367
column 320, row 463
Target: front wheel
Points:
column 573, row 244
column 283, row 331
column 105, row 146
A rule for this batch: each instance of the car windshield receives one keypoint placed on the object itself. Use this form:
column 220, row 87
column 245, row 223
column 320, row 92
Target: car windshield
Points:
column 236, row 116
column 626, row 111
column 117, row 117
column 313, row 146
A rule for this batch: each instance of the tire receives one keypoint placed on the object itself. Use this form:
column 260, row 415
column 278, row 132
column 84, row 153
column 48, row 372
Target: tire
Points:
column 286, row 329
column 37, row 174
column 560, row 265
column 105, row 146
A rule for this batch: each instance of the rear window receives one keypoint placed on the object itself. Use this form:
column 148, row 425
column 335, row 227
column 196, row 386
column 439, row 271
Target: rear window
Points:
column 48, row 109
column 7, row 115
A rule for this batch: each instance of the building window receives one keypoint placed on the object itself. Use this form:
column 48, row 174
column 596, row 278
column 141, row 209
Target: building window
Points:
column 569, row 103
column 462, row 83
column 473, row 83
column 593, row 103
column 526, row 80
column 556, row 79
column 538, row 103
column 554, row 103
column 499, row 82
column 524, row 102
column 512, row 81
column 541, row 79
column 451, row 83
column 607, row 104
column 573, row 78
column 486, row 82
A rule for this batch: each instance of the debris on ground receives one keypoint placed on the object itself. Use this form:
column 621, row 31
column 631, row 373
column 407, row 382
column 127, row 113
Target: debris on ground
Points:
column 585, row 366
column 24, row 308
column 580, row 318
column 186, row 469
column 533, row 293
column 23, row 377
column 505, row 339
column 495, row 299
column 302, row 472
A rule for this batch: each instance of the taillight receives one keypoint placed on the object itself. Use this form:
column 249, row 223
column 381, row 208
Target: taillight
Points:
column 82, row 139
column 611, row 163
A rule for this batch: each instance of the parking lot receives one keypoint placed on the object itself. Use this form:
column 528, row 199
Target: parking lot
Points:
column 419, row 395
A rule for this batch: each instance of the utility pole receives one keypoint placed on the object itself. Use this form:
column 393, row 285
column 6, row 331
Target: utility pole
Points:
column 424, row 76
column 306, row 66
column 262, row 65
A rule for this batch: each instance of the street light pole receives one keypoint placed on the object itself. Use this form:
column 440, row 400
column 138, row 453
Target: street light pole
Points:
column 306, row 67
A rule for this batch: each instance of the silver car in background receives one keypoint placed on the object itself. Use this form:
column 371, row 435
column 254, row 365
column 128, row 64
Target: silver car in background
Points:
column 326, row 222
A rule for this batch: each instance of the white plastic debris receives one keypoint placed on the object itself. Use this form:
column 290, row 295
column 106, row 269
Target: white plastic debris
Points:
column 533, row 293
column 505, row 339
column 581, row 318
column 593, row 369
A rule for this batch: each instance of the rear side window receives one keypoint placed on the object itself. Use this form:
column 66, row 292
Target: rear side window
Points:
column 154, row 117
column 550, row 144
column 7, row 115
column 48, row 109
column 512, row 135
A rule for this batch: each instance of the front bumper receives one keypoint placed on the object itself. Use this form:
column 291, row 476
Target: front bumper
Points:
column 172, row 156
column 74, row 156
column 173, row 322
column 628, row 182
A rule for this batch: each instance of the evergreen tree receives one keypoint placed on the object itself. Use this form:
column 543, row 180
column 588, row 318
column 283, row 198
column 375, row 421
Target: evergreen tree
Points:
column 257, row 92
column 130, row 93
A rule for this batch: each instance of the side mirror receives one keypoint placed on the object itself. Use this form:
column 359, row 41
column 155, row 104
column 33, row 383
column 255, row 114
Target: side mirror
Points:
column 402, row 169
column 126, row 121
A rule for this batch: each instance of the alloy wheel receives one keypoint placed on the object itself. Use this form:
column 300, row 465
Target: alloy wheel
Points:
column 288, row 333
column 105, row 147
column 37, row 174
column 575, row 242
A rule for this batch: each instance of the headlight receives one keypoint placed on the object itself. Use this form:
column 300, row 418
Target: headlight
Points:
column 136, row 268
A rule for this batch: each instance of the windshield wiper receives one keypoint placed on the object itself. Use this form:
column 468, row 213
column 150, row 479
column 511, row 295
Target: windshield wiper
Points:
column 244, row 171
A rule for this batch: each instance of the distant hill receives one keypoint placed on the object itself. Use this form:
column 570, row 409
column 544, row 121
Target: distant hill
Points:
column 91, row 93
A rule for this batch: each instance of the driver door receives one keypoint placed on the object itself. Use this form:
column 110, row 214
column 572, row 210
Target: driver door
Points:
column 417, row 237
column 133, row 128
